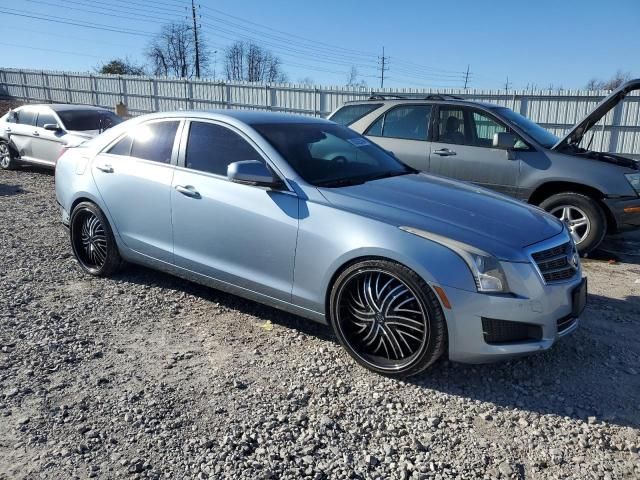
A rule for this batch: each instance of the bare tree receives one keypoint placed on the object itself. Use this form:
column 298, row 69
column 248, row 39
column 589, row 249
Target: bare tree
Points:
column 352, row 78
column 172, row 52
column 614, row 82
column 306, row 81
column 252, row 63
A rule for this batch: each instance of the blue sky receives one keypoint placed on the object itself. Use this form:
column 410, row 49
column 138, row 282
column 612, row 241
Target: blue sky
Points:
column 429, row 43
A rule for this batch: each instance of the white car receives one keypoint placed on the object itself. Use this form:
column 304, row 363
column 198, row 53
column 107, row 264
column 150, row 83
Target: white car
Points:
column 39, row 134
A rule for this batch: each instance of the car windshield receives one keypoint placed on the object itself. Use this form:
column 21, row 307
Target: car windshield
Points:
column 328, row 155
column 83, row 120
column 535, row 131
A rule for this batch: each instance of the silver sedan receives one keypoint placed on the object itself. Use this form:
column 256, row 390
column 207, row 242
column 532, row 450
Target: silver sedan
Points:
column 312, row 218
column 39, row 134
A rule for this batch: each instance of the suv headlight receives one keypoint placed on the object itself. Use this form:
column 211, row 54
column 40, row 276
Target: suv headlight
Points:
column 634, row 180
column 486, row 269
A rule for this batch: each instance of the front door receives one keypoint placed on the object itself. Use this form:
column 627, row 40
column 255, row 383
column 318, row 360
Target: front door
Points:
column 238, row 234
column 134, row 179
column 403, row 131
column 46, row 145
column 463, row 149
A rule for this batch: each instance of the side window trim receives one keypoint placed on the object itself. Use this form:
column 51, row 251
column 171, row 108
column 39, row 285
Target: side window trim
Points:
column 383, row 116
column 174, row 149
column 182, row 152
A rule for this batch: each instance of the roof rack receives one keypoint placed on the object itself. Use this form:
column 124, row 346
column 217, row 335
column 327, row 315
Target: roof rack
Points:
column 395, row 96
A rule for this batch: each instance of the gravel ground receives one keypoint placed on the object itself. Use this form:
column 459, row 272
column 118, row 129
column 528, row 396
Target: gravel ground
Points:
column 149, row 376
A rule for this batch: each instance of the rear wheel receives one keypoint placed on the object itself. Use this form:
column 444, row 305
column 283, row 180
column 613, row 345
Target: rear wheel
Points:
column 7, row 157
column 92, row 240
column 583, row 217
column 387, row 318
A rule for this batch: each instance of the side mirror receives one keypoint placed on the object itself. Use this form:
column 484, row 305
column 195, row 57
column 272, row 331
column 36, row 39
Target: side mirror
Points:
column 53, row 127
column 252, row 172
column 504, row 140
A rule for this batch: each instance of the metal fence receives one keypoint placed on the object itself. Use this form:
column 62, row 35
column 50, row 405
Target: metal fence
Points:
column 555, row 110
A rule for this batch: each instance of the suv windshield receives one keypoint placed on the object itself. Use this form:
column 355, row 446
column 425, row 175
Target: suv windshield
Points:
column 535, row 131
column 82, row 120
column 328, row 155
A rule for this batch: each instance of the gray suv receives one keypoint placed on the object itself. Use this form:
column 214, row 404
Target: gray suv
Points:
column 594, row 193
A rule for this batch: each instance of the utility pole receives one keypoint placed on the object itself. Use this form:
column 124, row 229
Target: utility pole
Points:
column 383, row 67
column 466, row 77
column 507, row 84
column 195, row 37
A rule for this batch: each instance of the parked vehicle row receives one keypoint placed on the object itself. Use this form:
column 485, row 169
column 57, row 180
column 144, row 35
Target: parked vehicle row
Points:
column 312, row 217
column 594, row 193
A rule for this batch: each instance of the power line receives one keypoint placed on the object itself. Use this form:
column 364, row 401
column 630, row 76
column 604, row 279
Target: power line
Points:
column 90, row 25
column 48, row 50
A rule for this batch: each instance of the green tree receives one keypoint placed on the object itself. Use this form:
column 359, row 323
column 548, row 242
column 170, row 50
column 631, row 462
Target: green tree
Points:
column 119, row 66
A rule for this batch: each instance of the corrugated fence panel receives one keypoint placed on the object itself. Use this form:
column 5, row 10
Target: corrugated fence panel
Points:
column 557, row 111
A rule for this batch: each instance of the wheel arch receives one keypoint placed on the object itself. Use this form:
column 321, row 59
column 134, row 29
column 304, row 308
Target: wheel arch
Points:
column 547, row 189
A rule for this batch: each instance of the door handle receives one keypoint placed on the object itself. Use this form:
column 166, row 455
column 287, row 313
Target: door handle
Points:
column 187, row 190
column 8, row 130
column 105, row 168
column 445, row 152
column 36, row 134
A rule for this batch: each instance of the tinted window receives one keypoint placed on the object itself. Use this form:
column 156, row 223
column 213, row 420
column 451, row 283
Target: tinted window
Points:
column 539, row 134
column 350, row 113
column 44, row 118
column 330, row 155
column 451, row 126
column 82, row 120
column 154, row 141
column 484, row 129
column 123, row 147
column 409, row 122
column 26, row 117
column 211, row 148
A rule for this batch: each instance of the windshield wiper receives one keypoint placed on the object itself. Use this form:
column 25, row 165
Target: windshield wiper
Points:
column 389, row 175
column 341, row 182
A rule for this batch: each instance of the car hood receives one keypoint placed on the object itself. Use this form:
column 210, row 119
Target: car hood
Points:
column 575, row 135
column 84, row 134
column 492, row 222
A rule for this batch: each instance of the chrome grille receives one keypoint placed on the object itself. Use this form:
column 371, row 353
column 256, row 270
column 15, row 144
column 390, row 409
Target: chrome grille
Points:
column 555, row 264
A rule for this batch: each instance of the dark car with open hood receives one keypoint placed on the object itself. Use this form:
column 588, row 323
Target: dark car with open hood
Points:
column 593, row 192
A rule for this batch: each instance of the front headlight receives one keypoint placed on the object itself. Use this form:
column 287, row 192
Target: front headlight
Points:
column 486, row 268
column 634, row 180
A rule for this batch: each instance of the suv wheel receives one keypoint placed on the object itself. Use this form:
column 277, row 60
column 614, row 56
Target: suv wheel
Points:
column 583, row 217
column 387, row 318
column 7, row 159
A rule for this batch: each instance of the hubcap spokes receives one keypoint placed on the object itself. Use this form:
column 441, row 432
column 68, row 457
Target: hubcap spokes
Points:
column 93, row 241
column 576, row 221
column 381, row 318
column 5, row 156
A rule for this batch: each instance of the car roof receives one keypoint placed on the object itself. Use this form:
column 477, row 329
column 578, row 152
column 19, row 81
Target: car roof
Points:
column 62, row 107
column 444, row 100
column 248, row 117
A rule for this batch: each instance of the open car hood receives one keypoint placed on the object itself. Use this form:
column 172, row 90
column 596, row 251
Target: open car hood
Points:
column 574, row 137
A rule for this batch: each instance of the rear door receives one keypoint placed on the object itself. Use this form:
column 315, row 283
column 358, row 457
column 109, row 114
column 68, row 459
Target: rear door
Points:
column 238, row 234
column 21, row 131
column 46, row 145
column 404, row 130
column 134, row 178
column 463, row 149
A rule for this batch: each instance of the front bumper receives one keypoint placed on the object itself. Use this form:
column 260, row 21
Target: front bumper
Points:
column 625, row 212
column 546, row 310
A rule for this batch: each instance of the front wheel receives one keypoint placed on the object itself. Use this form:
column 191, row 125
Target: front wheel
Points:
column 7, row 157
column 583, row 217
column 387, row 318
column 92, row 240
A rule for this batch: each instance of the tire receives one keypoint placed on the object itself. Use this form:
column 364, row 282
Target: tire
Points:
column 589, row 236
column 7, row 156
column 362, row 304
column 92, row 240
